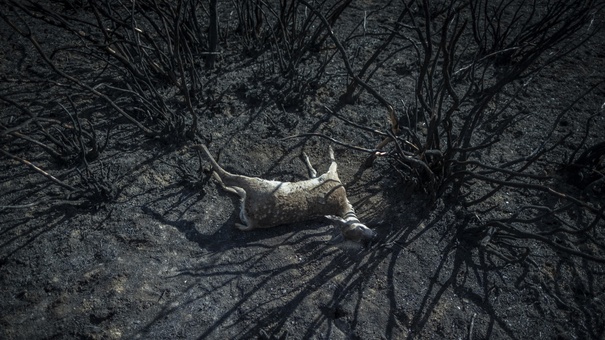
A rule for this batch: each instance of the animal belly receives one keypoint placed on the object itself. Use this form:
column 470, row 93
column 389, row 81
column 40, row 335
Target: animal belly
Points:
column 293, row 207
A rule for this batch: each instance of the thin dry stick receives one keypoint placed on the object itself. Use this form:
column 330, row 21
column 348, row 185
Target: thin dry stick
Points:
column 37, row 169
column 594, row 210
column 28, row 35
column 358, row 148
column 472, row 326
column 345, row 58
column 22, row 206
column 359, row 126
column 525, row 234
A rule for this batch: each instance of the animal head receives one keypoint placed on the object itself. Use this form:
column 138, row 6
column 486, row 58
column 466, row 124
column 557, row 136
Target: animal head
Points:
column 353, row 229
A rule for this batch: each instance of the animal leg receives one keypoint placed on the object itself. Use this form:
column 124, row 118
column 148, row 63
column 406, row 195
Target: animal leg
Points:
column 232, row 189
column 312, row 171
column 236, row 190
column 333, row 166
column 248, row 224
column 243, row 227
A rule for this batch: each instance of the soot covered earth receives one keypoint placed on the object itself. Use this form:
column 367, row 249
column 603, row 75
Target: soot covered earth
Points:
column 159, row 256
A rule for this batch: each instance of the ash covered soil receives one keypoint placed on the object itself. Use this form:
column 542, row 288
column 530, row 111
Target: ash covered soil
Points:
column 164, row 260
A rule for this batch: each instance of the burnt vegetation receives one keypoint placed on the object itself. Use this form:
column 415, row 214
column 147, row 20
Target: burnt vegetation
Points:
column 150, row 67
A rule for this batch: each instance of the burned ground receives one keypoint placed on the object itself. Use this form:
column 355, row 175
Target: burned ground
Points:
column 136, row 240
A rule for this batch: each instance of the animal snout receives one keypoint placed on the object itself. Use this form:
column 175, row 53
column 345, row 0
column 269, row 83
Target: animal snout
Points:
column 360, row 233
column 368, row 234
